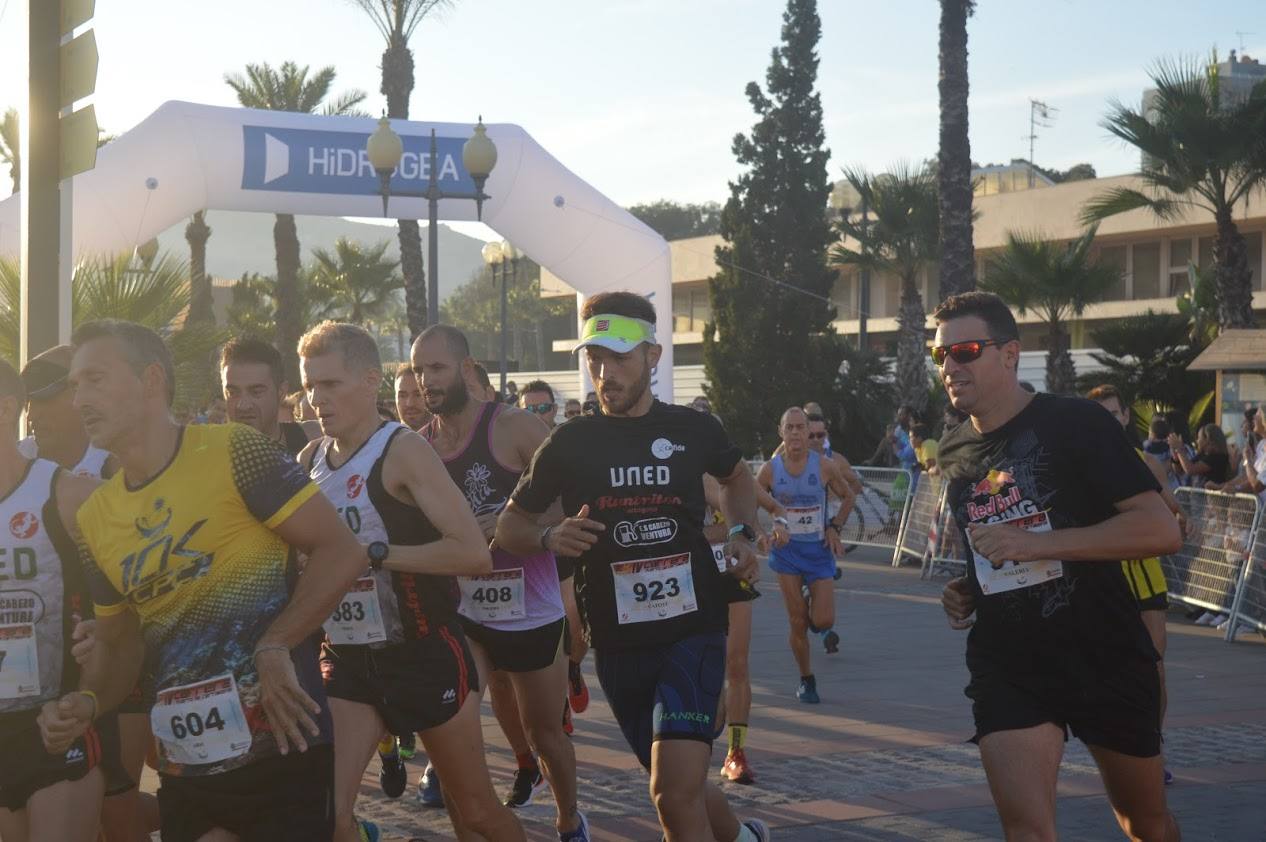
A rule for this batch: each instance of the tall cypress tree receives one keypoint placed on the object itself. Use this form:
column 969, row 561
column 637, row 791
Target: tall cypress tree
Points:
column 774, row 345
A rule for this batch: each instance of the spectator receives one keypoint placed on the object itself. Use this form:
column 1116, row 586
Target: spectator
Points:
column 538, row 398
column 1211, row 466
column 1253, row 480
column 902, row 448
column 925, row 448
column 481, row 389
column 1157, row 443
column 572, row 409
column 701, row 404
column 512, row 393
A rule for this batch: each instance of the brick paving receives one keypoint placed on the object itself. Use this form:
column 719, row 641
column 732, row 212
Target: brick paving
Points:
column 885, row 757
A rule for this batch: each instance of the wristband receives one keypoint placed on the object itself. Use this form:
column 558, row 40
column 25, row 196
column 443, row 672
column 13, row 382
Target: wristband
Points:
column 545, row 537
column 781, row 521
column 96, row 705
column 838, row 527
column 270, row 647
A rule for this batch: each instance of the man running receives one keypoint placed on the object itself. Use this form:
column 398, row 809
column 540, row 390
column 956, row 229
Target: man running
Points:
column 410, row 404
column 195, row 574
column 1049, row 497
column 43, row 795
column 395, row 658
column 799, row 479
column 513, row 616
column 59, row 435
column 254, row 389
column 652, row 600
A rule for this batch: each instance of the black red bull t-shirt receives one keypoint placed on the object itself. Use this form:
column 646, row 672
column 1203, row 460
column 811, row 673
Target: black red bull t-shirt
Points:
column 1060, row 463
column 651, row 577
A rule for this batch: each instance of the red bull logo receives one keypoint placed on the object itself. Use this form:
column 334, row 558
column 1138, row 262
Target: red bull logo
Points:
column 993, row 483
column 992, row 487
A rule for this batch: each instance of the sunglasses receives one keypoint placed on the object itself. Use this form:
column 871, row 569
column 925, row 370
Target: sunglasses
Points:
column 965, row 352
column 539, row 408
column 816, row 436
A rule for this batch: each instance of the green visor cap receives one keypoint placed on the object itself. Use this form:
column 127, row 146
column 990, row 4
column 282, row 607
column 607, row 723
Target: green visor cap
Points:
column 619, row 333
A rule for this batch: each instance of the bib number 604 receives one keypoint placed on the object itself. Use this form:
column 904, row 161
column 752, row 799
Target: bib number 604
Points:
column 656, row 590
column 192, row 724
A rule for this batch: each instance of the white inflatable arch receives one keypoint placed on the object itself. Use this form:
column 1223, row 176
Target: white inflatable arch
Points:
column 187, row 157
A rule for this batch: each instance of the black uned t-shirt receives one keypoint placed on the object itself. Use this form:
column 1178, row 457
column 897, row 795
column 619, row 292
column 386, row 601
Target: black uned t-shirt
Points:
column 650, row 578
column 1060, row 463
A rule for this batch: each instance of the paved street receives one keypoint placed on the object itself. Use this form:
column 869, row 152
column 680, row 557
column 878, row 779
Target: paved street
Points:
column 884, row 756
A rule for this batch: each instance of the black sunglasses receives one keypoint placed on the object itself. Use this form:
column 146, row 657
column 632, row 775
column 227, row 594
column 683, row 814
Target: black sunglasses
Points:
column 965, row 352
column 815, row 436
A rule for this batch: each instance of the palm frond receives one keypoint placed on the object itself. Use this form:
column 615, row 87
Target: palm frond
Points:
column 1124, row 199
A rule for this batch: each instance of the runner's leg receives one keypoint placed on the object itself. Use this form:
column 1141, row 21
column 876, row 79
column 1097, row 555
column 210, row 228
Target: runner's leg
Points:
column 13, row 825
column 725, row 824
column 357, row 729
column 737, row 699
column 798, row 618
column 506, row 708
column 1022, row 766
column 537, row 692
column 679, row 771
column 133, row 815
column 69, row 811
column 1155, row 622
column 1135, row 786
column 822, row 592
column 457, row 750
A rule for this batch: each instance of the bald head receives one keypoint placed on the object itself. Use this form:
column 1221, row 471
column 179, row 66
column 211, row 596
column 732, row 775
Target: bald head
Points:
column 794, row 430
column 793, row 412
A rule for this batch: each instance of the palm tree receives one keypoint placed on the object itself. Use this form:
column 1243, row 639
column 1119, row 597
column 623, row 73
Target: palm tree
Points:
column 1202, row 148
column 958, row 258
column 358, row 282
column 290, row 89
column 1056, row 281
column 899, row 236
column 197, row 232
column 155, row 294
column 396, row 20
column 10, row 146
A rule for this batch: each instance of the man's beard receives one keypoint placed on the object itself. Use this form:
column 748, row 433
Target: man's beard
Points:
column 454, row 401
column 623, row 400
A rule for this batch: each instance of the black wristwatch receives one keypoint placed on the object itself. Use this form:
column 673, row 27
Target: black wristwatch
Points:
column 838, row 527
column 377, row 552
column 742, row 529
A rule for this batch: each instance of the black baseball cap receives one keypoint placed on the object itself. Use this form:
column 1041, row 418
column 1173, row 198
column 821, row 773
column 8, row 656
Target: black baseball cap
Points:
column 45, row 376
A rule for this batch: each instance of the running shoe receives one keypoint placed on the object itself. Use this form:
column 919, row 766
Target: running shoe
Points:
column 430, row 793
column 393, row 777
column 758, row 828
column 580, row 834
column 577, row 690
column 807, row 692
column 526, row 782
column 831, row 641
column 408, row 744
column 368, row 831
column 736, row 770
column 839, row 572
column 568, row 728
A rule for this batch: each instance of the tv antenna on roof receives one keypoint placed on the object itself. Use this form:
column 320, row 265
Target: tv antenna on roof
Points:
column 1039, row 114
column 1239, row 33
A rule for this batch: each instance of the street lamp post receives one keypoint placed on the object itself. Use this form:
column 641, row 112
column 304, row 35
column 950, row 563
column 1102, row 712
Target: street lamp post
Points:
column 479, row 156
column 506, row 256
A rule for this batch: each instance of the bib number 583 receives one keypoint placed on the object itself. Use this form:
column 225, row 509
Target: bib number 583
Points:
column 656, row 589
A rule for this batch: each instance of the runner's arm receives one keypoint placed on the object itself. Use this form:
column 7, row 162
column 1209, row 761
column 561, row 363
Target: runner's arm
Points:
column 840, row 488
column 412, row 466
column 764, row 482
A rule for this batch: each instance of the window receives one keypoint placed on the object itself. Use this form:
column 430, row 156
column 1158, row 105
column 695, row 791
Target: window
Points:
column 1146, row 271
column 844, row 295
column 1114, row 256
column 1206, row 252
column 1179, row 257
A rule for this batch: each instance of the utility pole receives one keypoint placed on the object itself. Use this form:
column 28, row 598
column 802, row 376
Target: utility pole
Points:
column 863, row 294
column 1038, row 112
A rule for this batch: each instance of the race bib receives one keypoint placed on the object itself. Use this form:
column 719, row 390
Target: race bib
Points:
column 653, row 589
column 496, row 597
column 805, row 520
column 718, row 555
column 357, row 619
column 19, row 662
column 1012, row 575
column 201, row 723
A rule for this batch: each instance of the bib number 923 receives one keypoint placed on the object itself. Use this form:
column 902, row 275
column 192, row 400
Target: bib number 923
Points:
column 655, row 589
column 192, row 724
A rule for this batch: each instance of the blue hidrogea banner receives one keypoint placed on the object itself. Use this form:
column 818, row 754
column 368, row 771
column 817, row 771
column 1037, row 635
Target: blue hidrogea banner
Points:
column 311, row 161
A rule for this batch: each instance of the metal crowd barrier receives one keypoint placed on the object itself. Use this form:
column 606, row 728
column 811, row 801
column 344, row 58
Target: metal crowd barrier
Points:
column 1249, row 608
column 880, row 510
column 1211, row 570
column 921, row 518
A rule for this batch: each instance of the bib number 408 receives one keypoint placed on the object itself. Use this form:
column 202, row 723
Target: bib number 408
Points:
column 492, row 595
column 193, row 725
column 655, row 589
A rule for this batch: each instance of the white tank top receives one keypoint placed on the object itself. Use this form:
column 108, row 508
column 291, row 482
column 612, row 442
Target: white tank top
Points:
column 33, row 594
column 91, row 465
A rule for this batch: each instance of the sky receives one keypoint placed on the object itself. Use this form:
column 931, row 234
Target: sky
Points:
column 642, row 97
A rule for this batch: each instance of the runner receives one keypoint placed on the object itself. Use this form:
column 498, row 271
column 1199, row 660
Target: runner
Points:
column 395, row 658
column 572, row 409
column 481, row 386
column 652, row 600
column 410, row 405
column 1058, row 644
column 798, row 479
column 1145, row 576
column 127, row 815
column 514, row 616
column 195, row 573
column 57, row 795
column 738, row 642
column 254, row 389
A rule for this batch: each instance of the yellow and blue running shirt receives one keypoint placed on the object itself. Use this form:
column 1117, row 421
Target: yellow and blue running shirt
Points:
column 193, row 553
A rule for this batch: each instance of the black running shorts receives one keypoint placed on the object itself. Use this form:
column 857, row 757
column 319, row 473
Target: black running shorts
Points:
column 518, row 651
column 27, row 767
column 279, row 799
column 414, row 686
